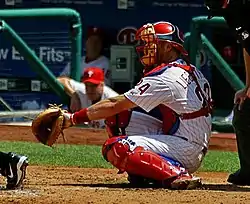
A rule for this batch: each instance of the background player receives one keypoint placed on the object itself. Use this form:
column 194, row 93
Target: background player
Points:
column 236, row 14
column 182, row 96
column 94, row 54
column 91, row 90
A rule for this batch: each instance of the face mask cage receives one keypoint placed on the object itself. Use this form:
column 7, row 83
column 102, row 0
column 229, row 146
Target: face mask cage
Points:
column 147, row 45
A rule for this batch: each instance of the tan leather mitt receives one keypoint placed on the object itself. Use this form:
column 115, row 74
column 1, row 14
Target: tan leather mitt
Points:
column 48, row 125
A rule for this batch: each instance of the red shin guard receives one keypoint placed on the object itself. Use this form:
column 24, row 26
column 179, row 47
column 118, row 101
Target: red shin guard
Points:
column 138, row 162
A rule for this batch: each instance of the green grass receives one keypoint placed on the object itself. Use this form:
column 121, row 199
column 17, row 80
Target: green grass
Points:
column 220, row 161
column 90, row 156
column 60, row 155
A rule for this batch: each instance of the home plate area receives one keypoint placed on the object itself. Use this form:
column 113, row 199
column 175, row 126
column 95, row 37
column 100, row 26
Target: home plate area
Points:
column 47, row 184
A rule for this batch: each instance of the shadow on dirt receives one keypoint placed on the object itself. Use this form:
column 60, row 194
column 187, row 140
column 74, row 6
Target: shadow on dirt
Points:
column 225, row 187
column 208, row 187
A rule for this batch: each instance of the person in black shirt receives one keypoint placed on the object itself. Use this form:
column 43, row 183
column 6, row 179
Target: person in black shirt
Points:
column 237, row 15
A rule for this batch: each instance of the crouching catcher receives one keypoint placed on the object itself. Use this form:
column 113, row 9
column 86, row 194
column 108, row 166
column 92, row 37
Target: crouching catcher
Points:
column 172, row 102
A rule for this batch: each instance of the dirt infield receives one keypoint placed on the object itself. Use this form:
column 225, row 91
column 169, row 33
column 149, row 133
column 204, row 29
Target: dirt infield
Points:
column 79, row 185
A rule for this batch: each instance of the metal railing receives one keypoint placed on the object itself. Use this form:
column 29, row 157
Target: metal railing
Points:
column 36, row 64
column 75, row 29
column 196, row 40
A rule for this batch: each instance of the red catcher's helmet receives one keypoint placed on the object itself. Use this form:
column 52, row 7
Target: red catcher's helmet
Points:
column 149, row 36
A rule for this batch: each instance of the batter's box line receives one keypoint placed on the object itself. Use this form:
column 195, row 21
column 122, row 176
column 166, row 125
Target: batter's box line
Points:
column 97, row 185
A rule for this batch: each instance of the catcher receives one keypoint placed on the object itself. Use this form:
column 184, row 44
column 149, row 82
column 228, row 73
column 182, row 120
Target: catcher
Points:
column 168, row 145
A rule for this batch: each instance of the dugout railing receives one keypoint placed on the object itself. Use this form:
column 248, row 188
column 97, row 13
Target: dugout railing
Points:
column 71, row 17
column 196, row 40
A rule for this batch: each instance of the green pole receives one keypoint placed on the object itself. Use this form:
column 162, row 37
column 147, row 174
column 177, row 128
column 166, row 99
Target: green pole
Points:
column 5, row 104
column 35, row 63
column 187, row 41
column 60, row 13
column 194, row 37
column 215, row 21
column 76, row 50
column 221, row 64
column 195, row 30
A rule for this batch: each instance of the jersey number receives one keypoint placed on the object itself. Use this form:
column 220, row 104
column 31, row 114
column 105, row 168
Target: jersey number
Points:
column 206, row 91
column 143, row 88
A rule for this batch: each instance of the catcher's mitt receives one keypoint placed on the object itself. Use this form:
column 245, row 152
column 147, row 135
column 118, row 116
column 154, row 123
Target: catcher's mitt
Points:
column 48, row 125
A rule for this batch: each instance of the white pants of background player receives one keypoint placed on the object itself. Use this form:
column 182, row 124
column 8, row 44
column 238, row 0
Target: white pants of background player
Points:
column 145, row 131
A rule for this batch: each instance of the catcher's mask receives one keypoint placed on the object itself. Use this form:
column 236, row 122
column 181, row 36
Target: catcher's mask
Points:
column 149, row 36
column 216, row 6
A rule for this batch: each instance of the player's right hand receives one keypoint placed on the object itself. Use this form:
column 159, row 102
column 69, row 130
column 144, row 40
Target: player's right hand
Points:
column 67, row 122
column 75, row 102
column 241, row 95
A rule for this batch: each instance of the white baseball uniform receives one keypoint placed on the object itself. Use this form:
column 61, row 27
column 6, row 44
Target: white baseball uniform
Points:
column 170, row 86
column 102, row 62
column 85, row 102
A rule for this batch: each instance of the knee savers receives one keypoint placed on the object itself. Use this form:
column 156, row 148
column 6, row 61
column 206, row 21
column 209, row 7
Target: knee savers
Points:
column 115, row 125
column 138, row 162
